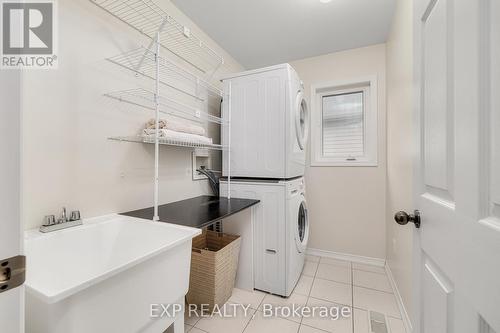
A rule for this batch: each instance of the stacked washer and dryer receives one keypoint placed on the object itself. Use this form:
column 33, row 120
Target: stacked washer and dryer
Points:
column 268, row 133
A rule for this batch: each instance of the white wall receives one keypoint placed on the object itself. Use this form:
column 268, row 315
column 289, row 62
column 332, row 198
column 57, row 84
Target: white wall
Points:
column 67, row 158
column 347, row 204
column 400, row 147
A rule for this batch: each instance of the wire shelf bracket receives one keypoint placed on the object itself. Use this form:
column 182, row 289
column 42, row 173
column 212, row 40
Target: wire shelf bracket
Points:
column 168, row 142
column 142, row 61
column 147, row 100
column 148, row 18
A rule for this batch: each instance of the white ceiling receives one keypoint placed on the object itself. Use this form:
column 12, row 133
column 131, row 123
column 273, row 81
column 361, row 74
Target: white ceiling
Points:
column 264, row 32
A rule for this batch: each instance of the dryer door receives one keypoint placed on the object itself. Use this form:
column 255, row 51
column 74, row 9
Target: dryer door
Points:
column 302, row 226
column 301, row 120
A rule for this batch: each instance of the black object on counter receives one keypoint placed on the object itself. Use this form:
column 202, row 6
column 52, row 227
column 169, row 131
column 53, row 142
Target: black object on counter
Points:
column 198, row 212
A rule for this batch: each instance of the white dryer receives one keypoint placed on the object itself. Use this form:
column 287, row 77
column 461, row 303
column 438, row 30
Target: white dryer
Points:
column 281, row 231
column 269, row 123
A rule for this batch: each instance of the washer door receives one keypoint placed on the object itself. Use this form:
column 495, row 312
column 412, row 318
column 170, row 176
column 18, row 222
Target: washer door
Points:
column 301, row 120
column 302, row 227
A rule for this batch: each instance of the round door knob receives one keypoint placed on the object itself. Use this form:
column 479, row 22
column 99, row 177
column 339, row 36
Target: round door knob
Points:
column 403, row 218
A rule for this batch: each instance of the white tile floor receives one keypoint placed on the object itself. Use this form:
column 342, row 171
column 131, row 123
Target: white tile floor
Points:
column 324, row 281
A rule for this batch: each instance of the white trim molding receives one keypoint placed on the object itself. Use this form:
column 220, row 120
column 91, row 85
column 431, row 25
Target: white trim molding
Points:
column 348, row 257
column 402, row 309
column 369, row 86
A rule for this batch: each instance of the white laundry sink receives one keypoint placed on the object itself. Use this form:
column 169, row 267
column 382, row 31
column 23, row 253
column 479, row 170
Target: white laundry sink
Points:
column 103, row 276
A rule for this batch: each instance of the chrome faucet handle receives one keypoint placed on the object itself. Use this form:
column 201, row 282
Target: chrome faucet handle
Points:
column 63, row 217
column 49, row 220
column 75, row 215
column 51, row 224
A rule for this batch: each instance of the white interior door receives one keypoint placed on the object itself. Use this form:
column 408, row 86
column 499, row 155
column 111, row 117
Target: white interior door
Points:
column 11, row 300
column 457, row 185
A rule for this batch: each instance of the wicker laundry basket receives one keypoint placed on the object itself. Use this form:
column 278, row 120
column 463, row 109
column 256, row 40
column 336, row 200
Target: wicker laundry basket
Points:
column 214, row 260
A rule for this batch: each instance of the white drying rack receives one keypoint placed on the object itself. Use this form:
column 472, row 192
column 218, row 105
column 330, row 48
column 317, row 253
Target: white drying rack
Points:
column 142, row 61
column 149, row 19
column 146, row 99
column 164, row 31
column 168, row 142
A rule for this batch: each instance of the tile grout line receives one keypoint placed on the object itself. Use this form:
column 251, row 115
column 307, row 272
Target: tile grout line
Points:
column 257, row 310
column 354, row 285
column 310, row 290
column 352, row 295
column 333, row 264
column 346, row 283
column 253, row 316
column 329, row 301
column 367, row 271
column 382, row 291
column 316, row 328
column 316, row 271
column 262, row 300
column 307, row 299
column 199, row 329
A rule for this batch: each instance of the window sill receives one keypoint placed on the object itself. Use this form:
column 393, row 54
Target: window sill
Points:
column 360, row 163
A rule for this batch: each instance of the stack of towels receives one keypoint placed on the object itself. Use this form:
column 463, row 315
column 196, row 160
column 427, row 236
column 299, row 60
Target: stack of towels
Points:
column 175, row 130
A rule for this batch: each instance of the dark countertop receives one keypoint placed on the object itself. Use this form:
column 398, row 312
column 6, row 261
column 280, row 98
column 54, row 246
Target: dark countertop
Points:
column 198, row 212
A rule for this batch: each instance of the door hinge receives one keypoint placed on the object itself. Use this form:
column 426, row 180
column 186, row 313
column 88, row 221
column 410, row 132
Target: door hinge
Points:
column 12, row 273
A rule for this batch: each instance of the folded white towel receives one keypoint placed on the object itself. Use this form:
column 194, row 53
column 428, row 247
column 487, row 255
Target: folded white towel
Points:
column 176, row 126
column 185, row 128
column 178, row 136
column 152, row 132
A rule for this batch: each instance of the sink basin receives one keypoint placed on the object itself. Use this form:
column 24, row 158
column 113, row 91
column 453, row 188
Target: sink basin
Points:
column 104, row 276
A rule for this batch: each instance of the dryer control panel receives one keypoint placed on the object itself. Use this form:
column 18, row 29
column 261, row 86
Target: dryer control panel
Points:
column 296, row 187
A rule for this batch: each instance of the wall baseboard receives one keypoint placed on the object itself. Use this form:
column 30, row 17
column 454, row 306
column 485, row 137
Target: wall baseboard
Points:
column 348, row 257
column 399, row 300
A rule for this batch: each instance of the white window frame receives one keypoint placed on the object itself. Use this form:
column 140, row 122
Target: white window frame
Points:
column 368, row 85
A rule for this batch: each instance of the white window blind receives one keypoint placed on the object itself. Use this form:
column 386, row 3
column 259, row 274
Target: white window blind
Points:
column 343, row 125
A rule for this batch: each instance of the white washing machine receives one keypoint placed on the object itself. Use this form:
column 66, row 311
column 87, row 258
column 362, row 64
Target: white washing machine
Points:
column 281, row 231
column 269, row 123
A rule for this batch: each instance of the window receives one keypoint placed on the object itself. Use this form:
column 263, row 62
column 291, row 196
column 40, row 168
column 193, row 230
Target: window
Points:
column 344, row 124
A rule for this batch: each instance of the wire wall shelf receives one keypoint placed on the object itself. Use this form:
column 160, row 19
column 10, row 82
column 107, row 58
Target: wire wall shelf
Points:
column 143, row 61
column 148, row 18
column 166, row 141
column 146, row 99
column 164, row 31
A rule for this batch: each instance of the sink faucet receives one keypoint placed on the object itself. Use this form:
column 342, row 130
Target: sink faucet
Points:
column 213, row 179
column 63, row 216
column 51, row 224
